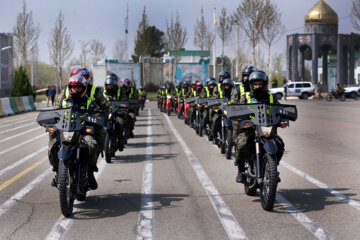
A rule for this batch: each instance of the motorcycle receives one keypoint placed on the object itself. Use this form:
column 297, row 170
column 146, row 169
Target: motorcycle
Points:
column 201, row 106
column 262, row 152
column 73, row 125
column 142, row 100
column 176, row 103
column 181, row 105
column 169, row 104
column 112, row 140
column 216, row 106
column 336, row 95
column 188, row 102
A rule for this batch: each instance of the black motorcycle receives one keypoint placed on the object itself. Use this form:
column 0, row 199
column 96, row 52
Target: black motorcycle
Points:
column 113, row 142
column 72, row 125
column 201, row 106
column 262, row 151
column 223, row 127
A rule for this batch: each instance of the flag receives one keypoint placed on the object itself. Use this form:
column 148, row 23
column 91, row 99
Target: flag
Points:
column 215, row 21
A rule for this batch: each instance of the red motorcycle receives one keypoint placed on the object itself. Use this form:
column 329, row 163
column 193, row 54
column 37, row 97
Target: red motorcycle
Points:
column 181, row 108
column 169, row 104
column 176, row 105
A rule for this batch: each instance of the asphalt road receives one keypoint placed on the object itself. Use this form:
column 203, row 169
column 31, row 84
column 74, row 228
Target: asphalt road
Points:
column 171, row 184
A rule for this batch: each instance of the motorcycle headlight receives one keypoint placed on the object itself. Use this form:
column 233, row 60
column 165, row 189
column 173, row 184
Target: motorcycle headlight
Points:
column 68, row 136
column 266, row 131
column 168, row 96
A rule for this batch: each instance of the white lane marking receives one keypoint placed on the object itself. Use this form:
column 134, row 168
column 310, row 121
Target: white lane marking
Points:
column 231, row 226
column 12, row 129
column 23, row 143
column 145, row 225
column 303, row 219
column 16, row 119
column 17, row 135
column 15, row 122
column 15, row 198
column 349, row 201
column 63, row 224
column 5, row 170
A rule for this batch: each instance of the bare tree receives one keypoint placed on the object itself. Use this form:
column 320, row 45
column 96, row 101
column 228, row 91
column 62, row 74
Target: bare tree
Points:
column 26, row 35
column 355, row 14
column 203, row 36
column 224, row 31
column 277, row 62
column 175, row 38
column 60, row 46
column 273, row 28
column 119, row 50
column 251, row 16
column 84, row 52
column 97, row 51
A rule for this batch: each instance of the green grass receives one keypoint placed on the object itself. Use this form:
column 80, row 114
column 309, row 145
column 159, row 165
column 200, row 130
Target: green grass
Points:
column 151, row 96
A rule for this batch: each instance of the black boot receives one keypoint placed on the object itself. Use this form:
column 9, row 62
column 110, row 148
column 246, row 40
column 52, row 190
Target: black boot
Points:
column 91, row 178
column 240, row 177
column 54, row 181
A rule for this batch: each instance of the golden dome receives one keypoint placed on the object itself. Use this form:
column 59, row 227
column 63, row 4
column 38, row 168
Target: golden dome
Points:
column 321, row 12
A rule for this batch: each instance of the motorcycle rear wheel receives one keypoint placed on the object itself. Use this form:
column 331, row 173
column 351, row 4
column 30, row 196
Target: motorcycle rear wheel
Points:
column 65, row 186
column 269, row 183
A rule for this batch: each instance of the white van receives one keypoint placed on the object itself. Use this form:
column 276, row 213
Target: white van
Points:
column 302, row 90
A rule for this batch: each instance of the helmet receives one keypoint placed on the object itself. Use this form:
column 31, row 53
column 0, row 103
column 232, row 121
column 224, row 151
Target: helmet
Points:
column 227, row 81
column 199, row 86
column 256, row 76
column 141, row 88
column 212, row 82
column 126, row 84
column 208, row 80
column 246, row 72
column 193, row 84
column 111, row 79
column 77, row 81
column 82, row 71
column 185, row 84
column 167, row 86
column 178, row 85
column 223, row 75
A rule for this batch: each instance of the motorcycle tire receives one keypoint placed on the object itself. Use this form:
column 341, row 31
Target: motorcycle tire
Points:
column 269, row 183
column 107, row 149
column 229, row 143
column 342, row 98
column 179, row 115
column 142, row 107
column 168, row 112
column 65, row 187
column 223, row 145
column 329, row 98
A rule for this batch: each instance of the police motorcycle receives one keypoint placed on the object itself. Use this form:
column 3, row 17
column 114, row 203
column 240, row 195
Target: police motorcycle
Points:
column 118, row 109
column 201, row 106
column 181, row 108
column 262, row 152
column 169, row 104
column 189, row 102
column 72, row 124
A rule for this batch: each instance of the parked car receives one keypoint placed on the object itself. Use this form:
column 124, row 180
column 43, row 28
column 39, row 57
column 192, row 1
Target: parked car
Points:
column 353, row 92
column 302, row 90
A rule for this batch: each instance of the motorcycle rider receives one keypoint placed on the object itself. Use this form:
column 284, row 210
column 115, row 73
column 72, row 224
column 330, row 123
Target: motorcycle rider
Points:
column 258, row 83
column 197, row 93
column 127, row 94
column 226, row 87
column 80, row 94
column 142, row 94
column 208, row 93
column 112, row 93
column 222, row 75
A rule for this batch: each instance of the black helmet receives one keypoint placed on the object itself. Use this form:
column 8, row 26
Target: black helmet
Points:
column 247, row 71
column 209, row 79
column 227, row 81
column 111, row 79
column 224, row 74
column 178, row 85
column 185, row 84
column 259, row 75
column 212, row 82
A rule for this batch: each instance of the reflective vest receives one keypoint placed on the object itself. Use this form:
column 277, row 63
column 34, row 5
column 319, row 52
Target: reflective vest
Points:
column 242, row 90
column 253, row 100
column 90, row 99
column 220, row 91
column 117, row 97
column 141, row 92
column 167, row 93
column 177, row 92
column 131, row 93
column 207, row 92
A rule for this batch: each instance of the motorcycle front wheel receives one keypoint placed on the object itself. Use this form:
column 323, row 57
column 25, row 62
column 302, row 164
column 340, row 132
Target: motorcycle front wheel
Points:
column 269, row 183
column 342, row 98
column 329, row 97
column 66, row 194
column 229, row 143
column 107, row 149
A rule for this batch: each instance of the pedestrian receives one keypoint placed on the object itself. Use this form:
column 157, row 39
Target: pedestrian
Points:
column 319, row 89
column 285, row 87
column 34, row 92
column 52, row 93
column 47, row 96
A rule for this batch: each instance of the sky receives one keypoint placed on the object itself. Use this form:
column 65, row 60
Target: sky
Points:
column 105, row 19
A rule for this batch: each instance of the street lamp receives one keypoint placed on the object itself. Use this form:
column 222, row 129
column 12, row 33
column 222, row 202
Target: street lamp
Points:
column 3, row 49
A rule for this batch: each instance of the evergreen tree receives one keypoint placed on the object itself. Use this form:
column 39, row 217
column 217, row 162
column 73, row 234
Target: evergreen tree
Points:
column 21, row 83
